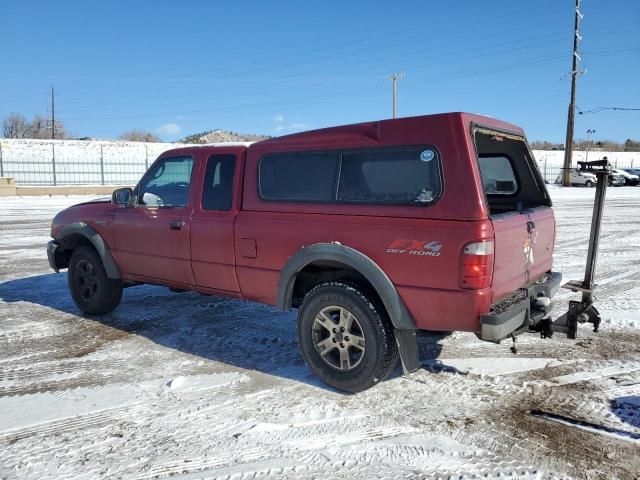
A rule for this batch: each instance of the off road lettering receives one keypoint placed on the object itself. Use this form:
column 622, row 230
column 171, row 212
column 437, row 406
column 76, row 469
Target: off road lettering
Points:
column 415, row 247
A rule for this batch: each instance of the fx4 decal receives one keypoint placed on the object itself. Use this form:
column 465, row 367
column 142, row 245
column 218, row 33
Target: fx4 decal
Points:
column 415, row 247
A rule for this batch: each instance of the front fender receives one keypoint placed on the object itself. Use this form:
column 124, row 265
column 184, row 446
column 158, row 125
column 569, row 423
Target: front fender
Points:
column 66, row 236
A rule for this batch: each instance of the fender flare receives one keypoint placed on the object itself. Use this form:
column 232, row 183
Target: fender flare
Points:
column 397, row 310
column 81, row 228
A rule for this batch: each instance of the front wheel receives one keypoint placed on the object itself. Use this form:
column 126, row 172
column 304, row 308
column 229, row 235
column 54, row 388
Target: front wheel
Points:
column 92, row 291
column 344, row 339
column 588, row 184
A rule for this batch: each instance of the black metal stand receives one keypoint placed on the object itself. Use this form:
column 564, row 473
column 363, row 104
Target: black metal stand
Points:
column 583, row 311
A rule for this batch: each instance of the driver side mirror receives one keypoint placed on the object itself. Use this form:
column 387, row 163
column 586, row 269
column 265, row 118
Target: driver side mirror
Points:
column 122, row 196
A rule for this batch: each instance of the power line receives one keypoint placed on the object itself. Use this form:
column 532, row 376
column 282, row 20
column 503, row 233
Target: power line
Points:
column 327, row 52
column 319, row 98
column 600, row 109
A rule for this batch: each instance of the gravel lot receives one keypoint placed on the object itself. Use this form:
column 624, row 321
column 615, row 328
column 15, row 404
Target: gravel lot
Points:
column 205, row 387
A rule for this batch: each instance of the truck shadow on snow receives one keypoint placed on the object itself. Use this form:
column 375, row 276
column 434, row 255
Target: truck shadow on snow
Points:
column 627, row 409
column 240, row 333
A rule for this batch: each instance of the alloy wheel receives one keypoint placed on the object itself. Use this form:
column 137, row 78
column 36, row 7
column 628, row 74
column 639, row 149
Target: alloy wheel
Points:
column 338, row 338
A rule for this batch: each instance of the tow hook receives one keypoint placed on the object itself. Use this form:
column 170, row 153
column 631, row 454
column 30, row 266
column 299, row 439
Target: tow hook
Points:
column 540, row 311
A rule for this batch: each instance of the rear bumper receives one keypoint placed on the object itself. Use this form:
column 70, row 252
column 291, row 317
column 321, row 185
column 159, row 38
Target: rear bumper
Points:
column 511, row 315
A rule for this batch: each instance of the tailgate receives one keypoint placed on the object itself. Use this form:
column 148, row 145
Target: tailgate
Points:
column 510, row 262
column 542, row 240
column 523, row 248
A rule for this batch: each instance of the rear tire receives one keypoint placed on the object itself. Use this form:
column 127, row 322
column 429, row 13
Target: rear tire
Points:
column 92, row 291
column 345, row 340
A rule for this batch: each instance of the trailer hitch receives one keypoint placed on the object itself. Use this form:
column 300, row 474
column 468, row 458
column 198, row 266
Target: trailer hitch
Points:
column 584, row 311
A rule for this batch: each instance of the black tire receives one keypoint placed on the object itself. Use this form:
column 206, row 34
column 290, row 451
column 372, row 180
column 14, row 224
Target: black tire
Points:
column 588, row 184
column 92, row 291
column 369, row 343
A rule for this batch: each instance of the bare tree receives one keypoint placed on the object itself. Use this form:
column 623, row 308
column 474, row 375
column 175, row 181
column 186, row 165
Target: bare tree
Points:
column 139, row 136
column 632, row 145
column 15, row 126
column 40, row 127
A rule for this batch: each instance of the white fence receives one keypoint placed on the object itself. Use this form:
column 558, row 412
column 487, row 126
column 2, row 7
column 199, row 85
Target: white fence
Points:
column 79, row 162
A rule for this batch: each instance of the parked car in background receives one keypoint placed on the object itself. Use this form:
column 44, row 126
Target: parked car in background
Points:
column 633, row 171
column 580, row 178
column 616, row 180
column 629, row 178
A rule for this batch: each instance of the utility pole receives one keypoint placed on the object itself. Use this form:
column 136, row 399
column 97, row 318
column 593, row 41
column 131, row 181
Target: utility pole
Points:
column 53, row 115
column 394, row 78
column 568, row 148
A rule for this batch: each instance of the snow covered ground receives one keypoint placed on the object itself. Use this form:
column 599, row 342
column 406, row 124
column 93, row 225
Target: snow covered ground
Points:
column 204, row 387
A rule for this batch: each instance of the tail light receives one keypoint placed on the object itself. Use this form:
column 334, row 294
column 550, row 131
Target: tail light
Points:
column 477, row 265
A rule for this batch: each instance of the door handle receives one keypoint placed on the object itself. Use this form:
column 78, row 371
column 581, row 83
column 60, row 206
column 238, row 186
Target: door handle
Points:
column 176, row 224
column 531, row 227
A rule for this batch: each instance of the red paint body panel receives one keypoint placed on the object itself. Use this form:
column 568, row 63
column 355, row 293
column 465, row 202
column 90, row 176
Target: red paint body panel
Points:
column 545, row 237
column 510, row 265
column 279, row 235
column 212, row 232
column 241, row 252
column 145, row 245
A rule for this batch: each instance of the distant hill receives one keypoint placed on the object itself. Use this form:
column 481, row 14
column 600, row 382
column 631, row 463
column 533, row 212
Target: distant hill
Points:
column 213, row 136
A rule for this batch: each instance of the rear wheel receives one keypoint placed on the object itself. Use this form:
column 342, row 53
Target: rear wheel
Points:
column 92, row 291
column 344, row 339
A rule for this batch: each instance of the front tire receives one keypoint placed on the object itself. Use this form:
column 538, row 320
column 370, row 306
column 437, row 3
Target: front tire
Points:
column 588, row 184
column 92, row 291
column 345, row 340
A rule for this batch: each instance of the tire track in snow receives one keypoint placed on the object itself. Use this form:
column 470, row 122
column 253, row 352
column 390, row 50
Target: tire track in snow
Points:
column 46, row 369
column 79, row 422
column 614, row 368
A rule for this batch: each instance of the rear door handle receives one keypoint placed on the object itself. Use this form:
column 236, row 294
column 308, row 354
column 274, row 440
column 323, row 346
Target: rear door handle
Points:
column 176, row 224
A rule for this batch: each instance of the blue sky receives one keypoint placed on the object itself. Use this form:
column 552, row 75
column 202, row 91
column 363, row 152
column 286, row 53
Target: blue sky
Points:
column 277, row 67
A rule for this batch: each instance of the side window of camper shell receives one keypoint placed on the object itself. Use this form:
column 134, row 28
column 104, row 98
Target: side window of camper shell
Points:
column 408, row 175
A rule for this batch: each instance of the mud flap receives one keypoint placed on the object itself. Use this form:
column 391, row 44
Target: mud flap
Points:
column 408, row 348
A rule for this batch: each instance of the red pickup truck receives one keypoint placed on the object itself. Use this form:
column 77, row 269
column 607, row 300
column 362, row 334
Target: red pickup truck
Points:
column 372, row 231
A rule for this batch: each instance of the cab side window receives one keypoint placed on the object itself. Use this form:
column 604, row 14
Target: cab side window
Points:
column 217, row 193
column 167, row 183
